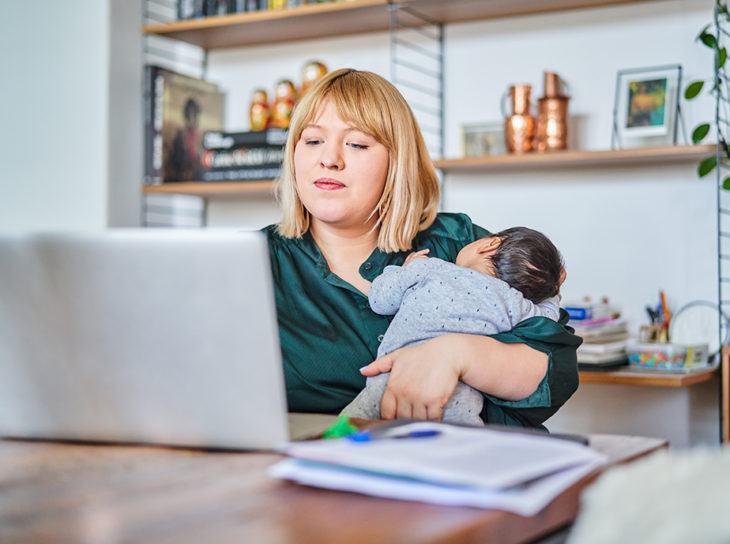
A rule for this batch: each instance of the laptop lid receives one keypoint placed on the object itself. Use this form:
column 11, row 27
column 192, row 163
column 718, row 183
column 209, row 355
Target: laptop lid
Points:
column 149, row 336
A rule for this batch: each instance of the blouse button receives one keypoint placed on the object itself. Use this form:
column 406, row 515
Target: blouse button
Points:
column 380, row 338
column 368, row 266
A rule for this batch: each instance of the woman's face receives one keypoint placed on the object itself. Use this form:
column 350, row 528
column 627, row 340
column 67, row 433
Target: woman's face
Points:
column 340, row 172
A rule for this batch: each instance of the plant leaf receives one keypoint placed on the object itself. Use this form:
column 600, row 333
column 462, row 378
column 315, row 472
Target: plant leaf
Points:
column 700, row 132
column 726, row 183
column 693, row 89
column 707, row 165
column 722, row 57
column 708, row 39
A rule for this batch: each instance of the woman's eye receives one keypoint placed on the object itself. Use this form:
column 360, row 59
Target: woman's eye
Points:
column 312, row 141
column 358, row 146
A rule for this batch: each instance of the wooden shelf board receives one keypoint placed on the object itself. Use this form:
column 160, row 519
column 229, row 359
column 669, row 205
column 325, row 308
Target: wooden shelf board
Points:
column 314, row 21
column 495, row 163
column 205, row 188
column 278, row 26
column 454, row 11
column 647, row 378
column 572, row 158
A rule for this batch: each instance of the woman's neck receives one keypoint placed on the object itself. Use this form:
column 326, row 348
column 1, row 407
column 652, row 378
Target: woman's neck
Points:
column 346, row 250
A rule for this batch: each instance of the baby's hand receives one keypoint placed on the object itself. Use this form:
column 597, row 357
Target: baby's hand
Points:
column 416, row 255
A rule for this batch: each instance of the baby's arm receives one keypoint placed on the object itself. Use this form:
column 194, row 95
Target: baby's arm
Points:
column 387, row 290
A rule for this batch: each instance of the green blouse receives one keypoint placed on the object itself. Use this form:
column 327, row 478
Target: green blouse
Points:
column 328, row 331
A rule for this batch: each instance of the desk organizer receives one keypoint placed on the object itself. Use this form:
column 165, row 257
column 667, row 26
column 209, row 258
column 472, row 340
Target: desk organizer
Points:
column 670, row 357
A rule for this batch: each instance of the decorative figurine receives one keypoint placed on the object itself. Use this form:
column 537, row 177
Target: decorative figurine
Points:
column 259, row 113
column 285, row 96
column 311, row 72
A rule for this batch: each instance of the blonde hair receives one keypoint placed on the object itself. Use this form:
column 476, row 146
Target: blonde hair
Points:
column 371, row 104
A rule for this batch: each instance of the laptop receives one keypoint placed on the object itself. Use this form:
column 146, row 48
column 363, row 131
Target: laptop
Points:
column 141, row 336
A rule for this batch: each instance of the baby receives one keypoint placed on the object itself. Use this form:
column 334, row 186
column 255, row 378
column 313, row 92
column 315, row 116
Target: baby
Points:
column 496, row 282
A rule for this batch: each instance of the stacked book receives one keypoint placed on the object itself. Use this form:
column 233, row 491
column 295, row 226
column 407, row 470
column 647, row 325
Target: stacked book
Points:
column 605, row 335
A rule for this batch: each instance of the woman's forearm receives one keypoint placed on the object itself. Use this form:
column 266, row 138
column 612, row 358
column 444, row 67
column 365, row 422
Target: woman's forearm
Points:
column 507, row 371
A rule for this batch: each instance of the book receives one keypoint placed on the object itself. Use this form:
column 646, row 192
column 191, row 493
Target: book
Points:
column 587, row 357
column 241, row 156
column 607, row 346
column 588, row 310
column 178, row 111
column 190, row 9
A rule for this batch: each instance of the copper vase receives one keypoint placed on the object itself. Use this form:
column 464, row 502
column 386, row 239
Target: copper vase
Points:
column 519, row 126
column 552, row 117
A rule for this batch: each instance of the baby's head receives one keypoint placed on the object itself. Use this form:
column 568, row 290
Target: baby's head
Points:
column 524, row 258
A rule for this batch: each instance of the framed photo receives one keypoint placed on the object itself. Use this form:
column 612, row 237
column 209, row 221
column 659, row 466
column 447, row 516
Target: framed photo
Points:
column 646, row 106
column 483, row 139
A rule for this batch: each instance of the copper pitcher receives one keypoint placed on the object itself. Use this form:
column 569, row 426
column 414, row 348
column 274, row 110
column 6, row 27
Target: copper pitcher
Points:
column 552, row 117
column 519, row 124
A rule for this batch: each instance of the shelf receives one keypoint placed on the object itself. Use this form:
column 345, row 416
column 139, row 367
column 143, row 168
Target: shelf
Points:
column 495, row 163
column 280, row 25
column 314, row 21
column 576, row 159
column 647, row 378
column 204, row 188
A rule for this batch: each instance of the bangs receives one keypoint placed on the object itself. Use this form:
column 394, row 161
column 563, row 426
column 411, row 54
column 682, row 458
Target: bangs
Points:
column 355, row 101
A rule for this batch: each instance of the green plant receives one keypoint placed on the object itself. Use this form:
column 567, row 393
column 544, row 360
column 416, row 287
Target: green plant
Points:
column 712, row 37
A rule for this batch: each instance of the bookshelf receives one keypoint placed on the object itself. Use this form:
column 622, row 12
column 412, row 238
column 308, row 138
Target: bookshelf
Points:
column 314, row 21
column 490, row 163
column 322, row 20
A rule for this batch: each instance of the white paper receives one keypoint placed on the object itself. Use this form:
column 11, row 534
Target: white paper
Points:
column 477, row 467
column 457, row 456
column 525, row 501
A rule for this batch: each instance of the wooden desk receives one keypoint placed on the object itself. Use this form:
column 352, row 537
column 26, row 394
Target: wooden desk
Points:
column 631, row 376
column 90, row 494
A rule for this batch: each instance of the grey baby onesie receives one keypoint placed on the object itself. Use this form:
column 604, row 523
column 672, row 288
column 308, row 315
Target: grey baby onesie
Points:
column 431, row 297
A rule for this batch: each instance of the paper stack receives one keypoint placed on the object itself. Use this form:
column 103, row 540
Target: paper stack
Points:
column 445, row 464
column 605, row 335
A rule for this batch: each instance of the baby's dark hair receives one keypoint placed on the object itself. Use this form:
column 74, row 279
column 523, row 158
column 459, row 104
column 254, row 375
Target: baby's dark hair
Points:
column 528, row 261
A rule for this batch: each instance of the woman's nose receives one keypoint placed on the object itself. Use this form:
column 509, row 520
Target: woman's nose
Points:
column 331, row 157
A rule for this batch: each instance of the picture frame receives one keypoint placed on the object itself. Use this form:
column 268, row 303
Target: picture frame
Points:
column 478, row 139
column 646, row 107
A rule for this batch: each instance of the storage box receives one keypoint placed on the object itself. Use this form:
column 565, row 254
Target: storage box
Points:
column 672, row 357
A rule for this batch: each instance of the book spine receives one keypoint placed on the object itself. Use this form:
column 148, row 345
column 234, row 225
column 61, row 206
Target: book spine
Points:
column 579, row 313
column 274, row 137
column 242, row 174
column 242, row 163
column 154, row 86
column 190, row 9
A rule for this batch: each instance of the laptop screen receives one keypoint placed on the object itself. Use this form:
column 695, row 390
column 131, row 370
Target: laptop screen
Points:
column 141, row 335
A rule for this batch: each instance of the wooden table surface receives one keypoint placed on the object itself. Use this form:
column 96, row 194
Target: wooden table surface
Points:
column 75, row 493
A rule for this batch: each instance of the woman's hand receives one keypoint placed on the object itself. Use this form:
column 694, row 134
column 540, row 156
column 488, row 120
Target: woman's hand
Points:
column 422, row 379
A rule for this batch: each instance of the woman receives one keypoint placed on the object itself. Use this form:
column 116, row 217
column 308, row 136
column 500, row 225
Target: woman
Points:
column 358, row 193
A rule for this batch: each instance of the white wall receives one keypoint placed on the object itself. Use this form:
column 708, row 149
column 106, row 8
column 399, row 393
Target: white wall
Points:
column 69, row 95
column 625, row 232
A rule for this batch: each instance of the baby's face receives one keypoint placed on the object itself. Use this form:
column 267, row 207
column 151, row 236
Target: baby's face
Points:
column 478, row 255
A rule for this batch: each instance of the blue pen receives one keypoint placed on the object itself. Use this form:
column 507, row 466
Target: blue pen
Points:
column 368, row 436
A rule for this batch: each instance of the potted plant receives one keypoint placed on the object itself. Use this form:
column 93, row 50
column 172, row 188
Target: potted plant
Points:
column 711, row 36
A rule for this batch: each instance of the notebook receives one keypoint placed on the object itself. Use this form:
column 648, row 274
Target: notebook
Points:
column 141, row 336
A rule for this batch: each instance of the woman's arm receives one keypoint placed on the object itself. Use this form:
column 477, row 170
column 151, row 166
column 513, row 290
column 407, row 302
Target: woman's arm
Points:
column 423, row 377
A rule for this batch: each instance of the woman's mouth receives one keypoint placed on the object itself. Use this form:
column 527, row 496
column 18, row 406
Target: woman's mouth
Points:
column 328, row 184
